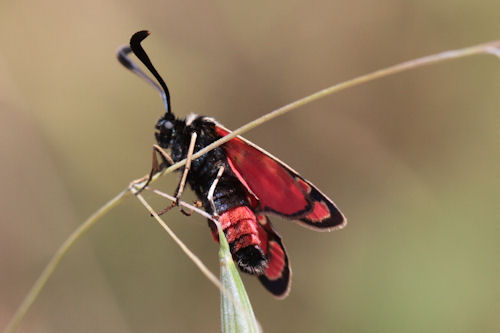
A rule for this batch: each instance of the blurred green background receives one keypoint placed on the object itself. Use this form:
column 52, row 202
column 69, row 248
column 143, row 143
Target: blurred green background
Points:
column 412, row 160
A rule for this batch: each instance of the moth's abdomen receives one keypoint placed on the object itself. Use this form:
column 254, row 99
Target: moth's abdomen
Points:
column 247, row 240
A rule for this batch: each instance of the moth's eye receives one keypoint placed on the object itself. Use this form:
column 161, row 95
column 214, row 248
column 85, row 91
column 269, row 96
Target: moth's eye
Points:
column 168, row 125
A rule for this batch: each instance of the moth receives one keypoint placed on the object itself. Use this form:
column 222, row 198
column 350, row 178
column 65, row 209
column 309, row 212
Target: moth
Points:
column 238, row 183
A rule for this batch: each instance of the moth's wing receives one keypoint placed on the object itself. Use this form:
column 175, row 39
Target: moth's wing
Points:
column 280, row 189
column 277, row 276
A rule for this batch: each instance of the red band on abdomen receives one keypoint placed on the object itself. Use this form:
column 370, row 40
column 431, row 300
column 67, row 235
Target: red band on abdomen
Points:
column 241, row 228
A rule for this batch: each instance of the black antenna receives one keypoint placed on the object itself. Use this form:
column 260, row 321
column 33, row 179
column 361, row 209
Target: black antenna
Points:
column 135, row 46
column 130, row 65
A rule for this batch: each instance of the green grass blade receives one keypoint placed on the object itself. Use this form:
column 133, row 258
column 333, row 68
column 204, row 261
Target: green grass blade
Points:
column 236, row 311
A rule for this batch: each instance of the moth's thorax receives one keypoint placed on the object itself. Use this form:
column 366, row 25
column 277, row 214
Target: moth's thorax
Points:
column 176, row 135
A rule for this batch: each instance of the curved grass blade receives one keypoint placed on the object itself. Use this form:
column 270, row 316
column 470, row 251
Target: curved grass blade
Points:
column 234, row 319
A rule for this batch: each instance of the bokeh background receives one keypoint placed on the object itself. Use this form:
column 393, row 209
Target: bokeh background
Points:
column 412, row 160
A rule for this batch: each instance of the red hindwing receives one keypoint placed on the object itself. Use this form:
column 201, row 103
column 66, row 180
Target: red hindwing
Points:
column 276, row 277
column 278, row 188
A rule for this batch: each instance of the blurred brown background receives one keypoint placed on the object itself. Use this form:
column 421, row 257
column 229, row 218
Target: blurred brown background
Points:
column 412, row 160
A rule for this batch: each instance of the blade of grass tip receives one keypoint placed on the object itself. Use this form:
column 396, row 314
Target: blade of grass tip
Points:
column 56, row 259
column 236, row 311
column 232, row 318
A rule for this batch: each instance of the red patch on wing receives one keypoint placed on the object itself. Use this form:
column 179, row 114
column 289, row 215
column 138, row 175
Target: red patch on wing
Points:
column 276, row 264
column 305, row 186
column 319, row 213
column 276, row 277
column 276, row 189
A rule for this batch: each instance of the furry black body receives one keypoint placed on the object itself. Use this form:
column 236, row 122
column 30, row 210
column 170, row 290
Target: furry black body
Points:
column 229, row 192
column 175, row 134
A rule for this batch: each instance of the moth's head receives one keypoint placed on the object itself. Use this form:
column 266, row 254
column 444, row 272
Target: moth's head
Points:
column 165, row 130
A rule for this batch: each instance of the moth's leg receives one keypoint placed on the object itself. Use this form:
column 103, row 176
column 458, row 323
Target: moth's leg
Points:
column 156, row 167
column 166, row 159
column 182, row 183
column 210, row 195
column 187, row 167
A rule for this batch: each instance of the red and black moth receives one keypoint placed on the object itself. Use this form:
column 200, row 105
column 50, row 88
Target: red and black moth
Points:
column 238, row 183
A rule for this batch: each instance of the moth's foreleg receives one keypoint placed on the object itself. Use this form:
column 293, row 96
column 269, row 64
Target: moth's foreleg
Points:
column 182, row 183
column 155, row 166
column 210, row 195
